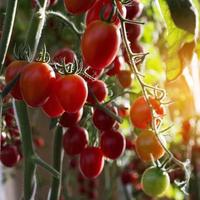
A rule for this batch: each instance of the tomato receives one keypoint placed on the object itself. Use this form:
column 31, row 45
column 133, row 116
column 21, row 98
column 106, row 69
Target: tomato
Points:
column 123, row 111
column 91, row 162
column 129, row 177
column 100, row 44
column 72, row 92
column 140, row 113
column 75, row 140
column 9, row 155
column 125, row 78
column 148, row 146
column 186, row 132
column 77, row 7
column 130, row 145
column 65, row 55
column 13, row 69
column 112, row 144
column 134, row 9
column 39, row 142
column 115, row 66
column 93, row 73
column 155, row 181
column 102, row 121
column 71, row 119
column 99, row 90
column 133, row 32
column 36, row 82
column 106, row 7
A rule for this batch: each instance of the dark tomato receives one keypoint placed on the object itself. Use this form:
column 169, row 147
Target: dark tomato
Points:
column 100, row 44
column 104, row 6
column 91, row 162
column 133, row 32
column 75, row 140
column 125, row 78
column 36, row 82
column 112, row 144
column 65, row 55
column 130, row 144
column 102, row 120
column 99, row 89
column 71, row 119
column 129, row 177
column 13, row 69
column 134, row 9
column 72, row 92
column 115, row 66
column 77, row 7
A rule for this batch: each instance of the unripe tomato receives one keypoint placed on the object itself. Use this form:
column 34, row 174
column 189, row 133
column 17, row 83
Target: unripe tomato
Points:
column 112, row 144
column 115, row 66
column 91, row 162
column 125, row 78
column 77, row 7
column 134, row 9
column 13, row 69
column 72, row 92
column 155, row 181
column 75, row 140
column 140, row 113
column 148, row 146
column 130, row 144
column 100, row 44
column 36, row 82
column 123, row 111
column 65, row 55
column 99, row 89
column 106, row 7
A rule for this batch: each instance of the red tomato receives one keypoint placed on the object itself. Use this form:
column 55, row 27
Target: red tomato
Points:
column 65, row 54
column 140, row 113
column 129, row 177
column 125, row 78
column 12, row 70
column 133, row 32
column 91, row 162
column 36, row 82
column 112, row 144
column 77, row 7
column 123, row 111
column 99, row 90
column 72, row 92
column 100, row 44
column 130, row 145
column 75, row 140
column 39, row 142
column 94, row 13
column 134, row 9
column 115, row 66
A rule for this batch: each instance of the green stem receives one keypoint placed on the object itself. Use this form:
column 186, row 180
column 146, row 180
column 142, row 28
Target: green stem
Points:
column 7, row 30
column 57, row 164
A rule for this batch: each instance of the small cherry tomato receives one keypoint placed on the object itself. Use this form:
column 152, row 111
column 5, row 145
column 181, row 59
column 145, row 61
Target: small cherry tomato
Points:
column 115, row 66
column 130, row 145
column 134, row 9
column 36, row 82
column 100, row 44
column 125, row 78
column 129, row 177
column 91, row 162
column 133, row 32
column 123, row 111
column 65, row 55
column 13, row 69
column 39, row 142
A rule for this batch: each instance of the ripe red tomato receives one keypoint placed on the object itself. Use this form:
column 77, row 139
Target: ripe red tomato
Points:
column 133, row 32
column 130, row 144
column 134, row 9
column 75, row 140
column 91, row 162
column 65, row 55
column 71, row 119
column 39, row 142
column 140, row 113
column 115, row 66
column 100, row 44
column 94, row 13
column 148, row 145
column 123, row 111
column 77, row 7
column 99, row 89
column 72, row 92
column 12, row 70
column 129, row 177
column 102, row 121
column 36, row 82
column 112, row 144
column 125, row 78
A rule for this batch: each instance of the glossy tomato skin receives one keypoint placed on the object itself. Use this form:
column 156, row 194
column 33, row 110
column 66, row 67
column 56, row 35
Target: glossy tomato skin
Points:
column 112, row 144
column 99, row 89
column 72, row 92
column 133, row 32
column 91, row 162
column 36, row 82
column 65, row 54
column 125, row 78
column 94, row 13
column 148, row 146
column 134, row 9
column 75, row 140
column 115, row 66
column 155, row 181
column 140, row 113
column 100, row 44
column 14, row 68
column 77, row 7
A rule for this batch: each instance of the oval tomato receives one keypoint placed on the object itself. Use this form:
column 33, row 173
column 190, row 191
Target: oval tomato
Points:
column 77, row 7
column 100, row 44
column 134, row 9
column 72, row 92
column 13, row 69
column 133, row 32
column 36, row 82
column 65, row 55
column 155, row 181
column 148, row 146
column 125, row 78
column 115, row 66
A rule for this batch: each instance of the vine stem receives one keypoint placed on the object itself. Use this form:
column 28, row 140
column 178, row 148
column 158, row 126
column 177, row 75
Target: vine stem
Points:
column 7, row 30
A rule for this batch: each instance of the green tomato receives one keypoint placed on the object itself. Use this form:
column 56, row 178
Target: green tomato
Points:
column 155, row 181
